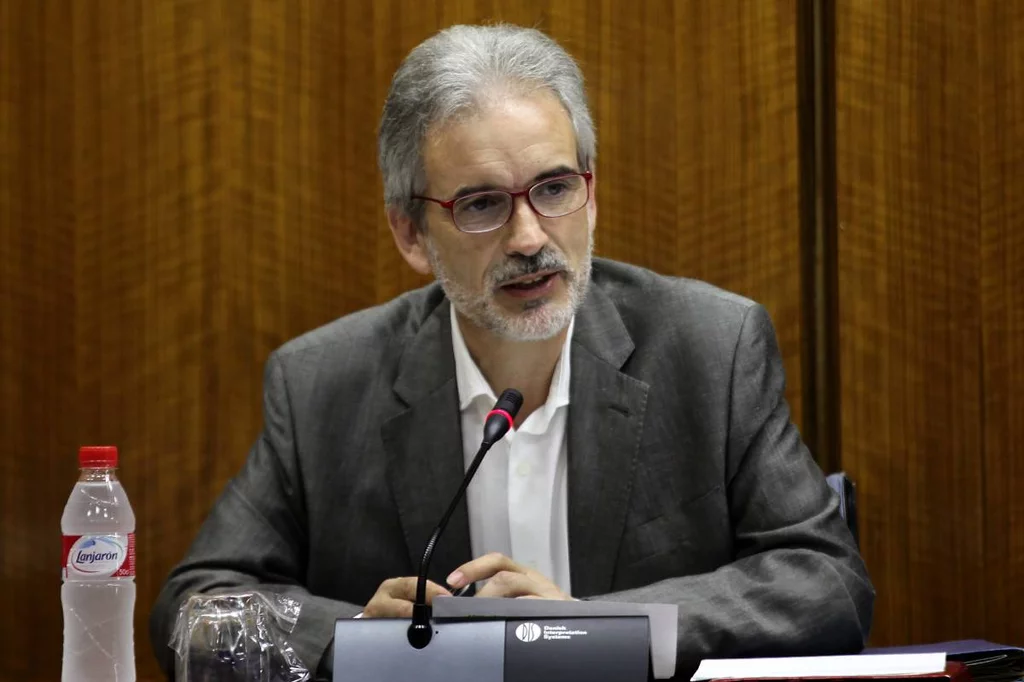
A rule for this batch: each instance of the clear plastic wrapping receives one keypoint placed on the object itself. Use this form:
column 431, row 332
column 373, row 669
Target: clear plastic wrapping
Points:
column 231, row 637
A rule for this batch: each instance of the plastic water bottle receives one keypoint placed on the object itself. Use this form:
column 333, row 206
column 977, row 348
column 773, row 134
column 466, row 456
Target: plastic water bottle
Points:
column 98, row 593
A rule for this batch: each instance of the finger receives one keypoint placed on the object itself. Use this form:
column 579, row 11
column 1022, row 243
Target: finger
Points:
column 390, row 600
column 482, row 568
column 512, row 584
column 405, row 588
column 384, row 606
column 394, row 598
column 435, row 590
column 399, row 588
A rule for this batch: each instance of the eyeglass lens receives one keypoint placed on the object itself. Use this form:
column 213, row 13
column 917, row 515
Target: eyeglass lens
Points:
column 551, row 198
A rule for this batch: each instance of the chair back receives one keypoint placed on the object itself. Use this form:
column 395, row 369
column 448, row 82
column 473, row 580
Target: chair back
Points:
column 843, row 486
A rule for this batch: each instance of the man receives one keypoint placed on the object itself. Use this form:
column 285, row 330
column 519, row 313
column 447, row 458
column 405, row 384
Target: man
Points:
column 653, row 459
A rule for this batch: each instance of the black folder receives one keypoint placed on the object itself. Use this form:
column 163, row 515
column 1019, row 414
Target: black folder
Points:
column 986, row 661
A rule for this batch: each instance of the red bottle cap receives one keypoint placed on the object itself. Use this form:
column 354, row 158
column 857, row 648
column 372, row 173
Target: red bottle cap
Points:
column 97, row 456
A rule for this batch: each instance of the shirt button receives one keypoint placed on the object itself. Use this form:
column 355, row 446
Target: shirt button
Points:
column 523, row 469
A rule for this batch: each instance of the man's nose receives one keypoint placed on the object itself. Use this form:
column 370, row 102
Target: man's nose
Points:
column 525, row 234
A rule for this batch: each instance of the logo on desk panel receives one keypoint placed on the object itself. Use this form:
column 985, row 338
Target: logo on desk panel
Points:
column 528, row 632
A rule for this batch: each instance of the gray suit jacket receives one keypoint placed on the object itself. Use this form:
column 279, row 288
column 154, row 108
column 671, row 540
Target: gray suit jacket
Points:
column 688, row 484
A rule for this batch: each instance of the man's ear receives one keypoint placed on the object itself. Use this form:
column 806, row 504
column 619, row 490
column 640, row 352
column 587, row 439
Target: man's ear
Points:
column 409, row 239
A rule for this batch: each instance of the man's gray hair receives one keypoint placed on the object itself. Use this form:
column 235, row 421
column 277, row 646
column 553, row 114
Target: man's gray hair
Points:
column 449, row 74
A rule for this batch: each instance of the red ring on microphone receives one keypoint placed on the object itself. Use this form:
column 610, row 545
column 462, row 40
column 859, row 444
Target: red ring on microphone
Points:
column 504, row 414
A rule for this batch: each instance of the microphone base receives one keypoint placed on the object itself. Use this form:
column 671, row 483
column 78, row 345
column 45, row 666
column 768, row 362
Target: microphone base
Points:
column 421, row 631
column 575, row 649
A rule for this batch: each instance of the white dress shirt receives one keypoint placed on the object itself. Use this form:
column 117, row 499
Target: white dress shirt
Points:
column 517, row 501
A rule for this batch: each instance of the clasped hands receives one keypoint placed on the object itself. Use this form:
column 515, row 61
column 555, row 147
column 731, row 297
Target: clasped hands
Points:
column 505, row 578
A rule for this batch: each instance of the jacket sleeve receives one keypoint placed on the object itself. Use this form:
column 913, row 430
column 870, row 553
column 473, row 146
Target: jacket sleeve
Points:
column 256, row 538
column 797, row 584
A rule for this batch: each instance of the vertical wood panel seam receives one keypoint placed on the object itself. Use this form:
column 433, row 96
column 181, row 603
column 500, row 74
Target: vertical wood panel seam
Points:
column 980, row 217
column 818, row 225
column 827, row 271
column 807, row 199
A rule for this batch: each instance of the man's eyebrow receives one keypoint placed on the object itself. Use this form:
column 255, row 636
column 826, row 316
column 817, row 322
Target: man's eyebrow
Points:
column 487, row 187
column 554, row 172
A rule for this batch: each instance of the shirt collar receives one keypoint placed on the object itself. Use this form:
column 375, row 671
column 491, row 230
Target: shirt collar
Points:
column 472, row 384
column 470, row 380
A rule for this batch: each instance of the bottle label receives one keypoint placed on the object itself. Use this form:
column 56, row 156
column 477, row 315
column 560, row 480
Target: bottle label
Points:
column 99, row 556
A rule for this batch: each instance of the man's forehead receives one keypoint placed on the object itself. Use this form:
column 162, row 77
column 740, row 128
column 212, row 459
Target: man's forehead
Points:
column 501, row 143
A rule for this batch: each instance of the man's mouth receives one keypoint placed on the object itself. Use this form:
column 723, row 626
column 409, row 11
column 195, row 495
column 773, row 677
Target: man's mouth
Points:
column 530, row 282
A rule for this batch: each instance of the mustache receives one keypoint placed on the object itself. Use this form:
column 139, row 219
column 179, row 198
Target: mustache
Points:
column 518, row 265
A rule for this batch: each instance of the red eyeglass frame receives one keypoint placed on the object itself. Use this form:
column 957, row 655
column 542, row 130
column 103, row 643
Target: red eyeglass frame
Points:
column 449, row 204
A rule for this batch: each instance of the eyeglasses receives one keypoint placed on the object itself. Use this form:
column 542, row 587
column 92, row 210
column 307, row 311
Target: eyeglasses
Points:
column 550, row 198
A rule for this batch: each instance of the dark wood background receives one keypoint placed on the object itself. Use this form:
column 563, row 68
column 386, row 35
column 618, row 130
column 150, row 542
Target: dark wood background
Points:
column 930, row 132
column 185, row 184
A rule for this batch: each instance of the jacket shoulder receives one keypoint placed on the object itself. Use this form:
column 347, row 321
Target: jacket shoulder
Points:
column 645, row 298
column 373, row 331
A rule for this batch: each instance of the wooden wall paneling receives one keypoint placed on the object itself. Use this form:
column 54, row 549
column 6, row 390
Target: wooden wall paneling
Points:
column 697, row 161
column 149, row 192
column 683, row 150
column 1001, row 101
column 217, row 216
column 910, row 320
column 37, row 373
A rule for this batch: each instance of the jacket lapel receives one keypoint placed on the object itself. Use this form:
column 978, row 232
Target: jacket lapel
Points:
column 424, row 446
column 606, row 414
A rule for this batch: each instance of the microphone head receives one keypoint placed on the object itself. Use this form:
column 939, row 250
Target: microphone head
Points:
column 500, row 419
column 510, row 401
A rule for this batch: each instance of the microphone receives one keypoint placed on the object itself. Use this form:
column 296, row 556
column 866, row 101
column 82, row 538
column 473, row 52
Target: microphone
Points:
column 499, row 420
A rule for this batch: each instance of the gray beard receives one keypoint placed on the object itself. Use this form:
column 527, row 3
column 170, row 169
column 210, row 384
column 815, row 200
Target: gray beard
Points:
column 539, row 320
